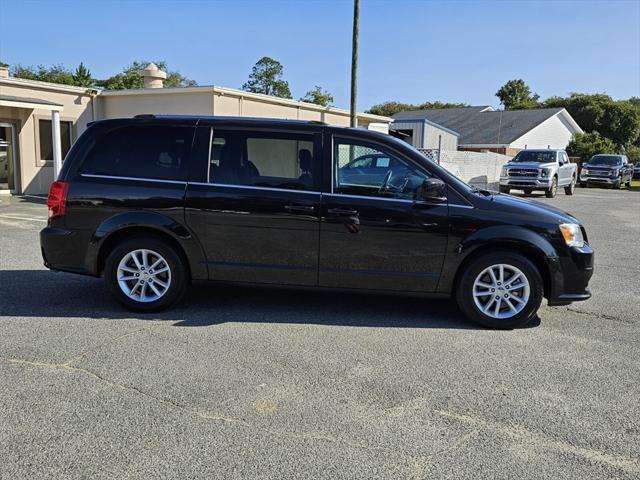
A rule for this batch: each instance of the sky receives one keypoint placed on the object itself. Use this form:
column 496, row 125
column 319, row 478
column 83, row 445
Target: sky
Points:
column 410, row 50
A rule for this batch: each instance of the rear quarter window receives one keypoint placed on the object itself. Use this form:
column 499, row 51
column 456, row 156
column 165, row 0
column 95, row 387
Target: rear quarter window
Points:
column 155, row 152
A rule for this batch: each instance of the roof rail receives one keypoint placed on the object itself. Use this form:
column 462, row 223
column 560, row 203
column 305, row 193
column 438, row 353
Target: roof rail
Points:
column 145, row 115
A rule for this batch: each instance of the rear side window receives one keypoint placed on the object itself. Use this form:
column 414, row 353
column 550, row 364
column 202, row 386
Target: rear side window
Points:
column 275, row 160
column 145, row 151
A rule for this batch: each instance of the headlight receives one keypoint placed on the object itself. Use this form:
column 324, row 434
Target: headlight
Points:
column 504, row 171
column 544, row 172
column 613, row 173
column 585, row 171
column 572, row 234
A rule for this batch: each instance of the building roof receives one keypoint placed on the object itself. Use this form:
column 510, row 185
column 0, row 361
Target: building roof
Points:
column 29, row 102
column 241, row 93
column 481, row 125
column 37, row 84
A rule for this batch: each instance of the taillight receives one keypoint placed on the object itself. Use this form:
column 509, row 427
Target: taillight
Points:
column 57, row 200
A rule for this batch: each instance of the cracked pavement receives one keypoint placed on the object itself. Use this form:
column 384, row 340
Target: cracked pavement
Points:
column 256, row 383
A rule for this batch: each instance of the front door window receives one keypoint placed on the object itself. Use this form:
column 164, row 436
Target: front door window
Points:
column 7, row 157
column 368, row 170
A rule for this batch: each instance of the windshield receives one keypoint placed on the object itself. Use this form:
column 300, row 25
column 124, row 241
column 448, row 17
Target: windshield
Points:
column 537, row 157
column 605, row 160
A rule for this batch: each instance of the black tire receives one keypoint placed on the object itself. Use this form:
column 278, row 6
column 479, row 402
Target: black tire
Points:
column 551, row 191
column 583, row 185
column 464, row 289
column 571, row 188
column 178, row 275
column 527, row 191
column 504, row 189
column 617, row 185
column 628, row 184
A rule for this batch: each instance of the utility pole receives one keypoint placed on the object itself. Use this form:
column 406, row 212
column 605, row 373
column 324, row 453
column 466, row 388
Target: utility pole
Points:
column 354, row 62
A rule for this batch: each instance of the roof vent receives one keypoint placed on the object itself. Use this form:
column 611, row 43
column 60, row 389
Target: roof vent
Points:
column 153, row 77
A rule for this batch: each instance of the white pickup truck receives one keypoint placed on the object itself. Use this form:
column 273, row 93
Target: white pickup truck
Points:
column 543, row 170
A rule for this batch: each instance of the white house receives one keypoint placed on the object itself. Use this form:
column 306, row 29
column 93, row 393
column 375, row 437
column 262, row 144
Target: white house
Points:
column 483, row 128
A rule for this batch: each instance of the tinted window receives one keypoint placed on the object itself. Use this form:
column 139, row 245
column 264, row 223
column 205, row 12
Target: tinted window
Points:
column 366, row 169
column 158, row 152
column 263, row 159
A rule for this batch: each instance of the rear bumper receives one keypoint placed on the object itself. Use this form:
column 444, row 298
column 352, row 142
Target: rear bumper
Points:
column 570, row 276
column 64, row 250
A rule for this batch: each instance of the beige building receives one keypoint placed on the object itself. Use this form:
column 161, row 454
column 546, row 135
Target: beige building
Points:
column 40, row 121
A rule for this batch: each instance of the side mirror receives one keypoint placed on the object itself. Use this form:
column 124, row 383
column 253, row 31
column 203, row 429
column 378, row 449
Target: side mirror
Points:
column 433, row 190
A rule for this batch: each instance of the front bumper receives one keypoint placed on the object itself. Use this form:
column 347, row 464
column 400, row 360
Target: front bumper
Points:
column 570, row 275
column 526, row 182
column 599, row 179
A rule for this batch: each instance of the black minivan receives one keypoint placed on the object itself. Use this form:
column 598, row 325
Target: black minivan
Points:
column 154, row 202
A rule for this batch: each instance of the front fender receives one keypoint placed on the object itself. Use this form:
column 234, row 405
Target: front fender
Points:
column 138, row 221
column 498, row 237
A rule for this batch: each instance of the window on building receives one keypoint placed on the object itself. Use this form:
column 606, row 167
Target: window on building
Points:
column 46, row 139
column 156, row 152
column 366, row 169
column 273, row 160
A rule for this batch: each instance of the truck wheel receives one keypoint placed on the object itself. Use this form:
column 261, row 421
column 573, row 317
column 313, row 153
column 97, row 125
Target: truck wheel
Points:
column 504, row 189
column 583, row 185
column 551, row 192
column 628, row 184
column 145, row 274
column 571, row 188
column 500, row 289
column 617, row 185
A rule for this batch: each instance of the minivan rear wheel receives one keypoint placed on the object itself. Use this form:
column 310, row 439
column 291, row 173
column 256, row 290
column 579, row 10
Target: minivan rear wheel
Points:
column 500, row 289
column 145, row 274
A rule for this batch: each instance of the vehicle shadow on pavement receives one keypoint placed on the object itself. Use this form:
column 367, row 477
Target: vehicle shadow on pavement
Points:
column 45, row 294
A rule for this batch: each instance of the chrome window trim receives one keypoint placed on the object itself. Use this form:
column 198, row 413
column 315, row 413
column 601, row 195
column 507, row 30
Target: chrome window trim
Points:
column 384, row 199
column 457, row 205
column 253, row 187
column 209, row 155
column 137, row 179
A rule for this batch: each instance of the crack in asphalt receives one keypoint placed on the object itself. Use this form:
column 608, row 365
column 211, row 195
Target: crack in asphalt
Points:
column 600, row 315
column 535, row 439
column 420, row 463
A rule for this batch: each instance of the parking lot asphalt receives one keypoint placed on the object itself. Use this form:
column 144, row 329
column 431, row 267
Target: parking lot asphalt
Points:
column 253, row 383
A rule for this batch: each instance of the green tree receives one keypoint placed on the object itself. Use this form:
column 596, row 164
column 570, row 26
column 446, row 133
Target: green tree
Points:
column 390, row 108
column 515, row 95
column 620, row 122
column 319, row 96
column 616, row 120
column 586, row 145
column 266, row 78
column 82, row 76
column 633, row 152
column 54, row 74
column 130, row 77
column 2, row 64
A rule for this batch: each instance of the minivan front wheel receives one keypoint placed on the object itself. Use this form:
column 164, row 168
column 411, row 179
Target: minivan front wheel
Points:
column 145, row 274
column 500, row 290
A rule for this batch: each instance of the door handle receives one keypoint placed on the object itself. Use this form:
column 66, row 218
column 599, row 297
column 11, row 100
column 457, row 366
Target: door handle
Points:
column 343, row 212
column 299, row 208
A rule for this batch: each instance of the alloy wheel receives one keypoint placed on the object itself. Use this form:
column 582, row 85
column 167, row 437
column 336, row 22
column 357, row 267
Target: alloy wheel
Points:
column 501, row 291
column 144, row 275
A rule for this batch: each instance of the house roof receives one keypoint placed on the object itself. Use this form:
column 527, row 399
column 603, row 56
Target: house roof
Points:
column 482, row 125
